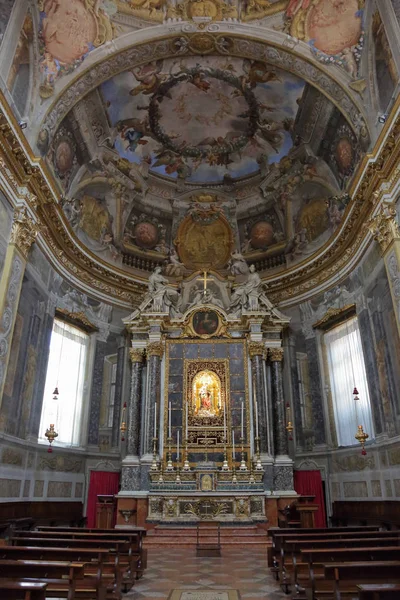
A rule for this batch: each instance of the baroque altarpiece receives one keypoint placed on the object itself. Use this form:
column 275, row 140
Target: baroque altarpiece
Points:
column 207, row 421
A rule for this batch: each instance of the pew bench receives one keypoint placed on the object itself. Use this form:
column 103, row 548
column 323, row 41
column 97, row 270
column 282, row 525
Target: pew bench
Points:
column 22, row 590
column 63, row 579
column 291, row 566
column 137, row 554
column 316, row 557
column 381, row 591
column 346, row 576
column 125, row 563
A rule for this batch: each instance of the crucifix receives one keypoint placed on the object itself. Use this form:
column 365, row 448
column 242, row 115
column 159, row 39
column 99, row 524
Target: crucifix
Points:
column 205, row 279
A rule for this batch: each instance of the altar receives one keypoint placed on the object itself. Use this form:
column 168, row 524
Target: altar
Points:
column 208, row 426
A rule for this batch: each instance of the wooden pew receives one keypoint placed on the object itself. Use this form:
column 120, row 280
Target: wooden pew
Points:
column 132, row 533
column 346, row 576
column 135, row 539
column 22, row 590
column 381, row 591
column 336, row 555
column 97, row 558
column 63, row 579
column 289, row 569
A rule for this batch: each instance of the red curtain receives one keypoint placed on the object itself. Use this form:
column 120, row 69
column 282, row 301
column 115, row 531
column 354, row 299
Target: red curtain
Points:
column 101, row 483
column 309, row 483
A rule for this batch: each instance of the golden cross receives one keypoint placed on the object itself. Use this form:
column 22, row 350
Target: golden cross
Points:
column 204, row 279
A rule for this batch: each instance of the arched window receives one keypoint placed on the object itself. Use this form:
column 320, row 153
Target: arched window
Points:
column 66, row 371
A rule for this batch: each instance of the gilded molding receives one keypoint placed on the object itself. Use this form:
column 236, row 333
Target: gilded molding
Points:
column 155, row 349
column 275, row 354
column 334, row 316
column 384, row 226
column 77, row 318
column 136, row 355
column 256, row 349
column 23, row 231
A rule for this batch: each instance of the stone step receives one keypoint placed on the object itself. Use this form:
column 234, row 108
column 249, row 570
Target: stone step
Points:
column 170, row 536
column 193, row 533
column 191, row 543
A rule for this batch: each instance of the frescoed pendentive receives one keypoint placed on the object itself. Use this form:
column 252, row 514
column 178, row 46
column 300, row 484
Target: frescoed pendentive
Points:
column 202, row 123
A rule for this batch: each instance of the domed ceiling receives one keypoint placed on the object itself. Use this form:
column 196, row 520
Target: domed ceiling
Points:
column 250, row 114
column 203, row 119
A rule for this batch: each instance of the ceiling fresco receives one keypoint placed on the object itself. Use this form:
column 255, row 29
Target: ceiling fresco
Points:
column 203, row 121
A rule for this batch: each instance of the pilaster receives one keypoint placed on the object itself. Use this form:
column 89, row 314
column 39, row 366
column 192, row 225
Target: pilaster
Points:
column 23, row 234
column 119, row 382
column 97, row 388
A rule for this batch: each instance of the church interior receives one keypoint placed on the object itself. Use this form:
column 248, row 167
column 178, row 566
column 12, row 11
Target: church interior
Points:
column 199, row 299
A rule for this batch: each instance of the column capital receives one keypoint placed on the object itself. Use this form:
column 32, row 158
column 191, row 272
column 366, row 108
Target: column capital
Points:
column 23, row 231
column 155, row 349
column 256, row 349
column 275, row 354
column 136, row 355
column 384, row 227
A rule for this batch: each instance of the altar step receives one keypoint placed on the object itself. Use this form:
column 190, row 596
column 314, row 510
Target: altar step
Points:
column 171, row 536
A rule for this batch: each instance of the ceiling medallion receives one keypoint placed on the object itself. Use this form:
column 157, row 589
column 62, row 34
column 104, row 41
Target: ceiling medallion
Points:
column 202, row 12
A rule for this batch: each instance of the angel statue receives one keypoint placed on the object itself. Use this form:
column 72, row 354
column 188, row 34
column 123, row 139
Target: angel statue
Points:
column 245, row 296
column 238, row 264
column 164, row 297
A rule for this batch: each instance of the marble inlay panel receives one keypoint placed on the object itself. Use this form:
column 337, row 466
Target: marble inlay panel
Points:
column 27, row 487
column 10, row 488
column 78, row 490
column 59, row 489
column 355, row 489
column 396, row 483
column 38, row 489
column 388, row 488
column 376, row 488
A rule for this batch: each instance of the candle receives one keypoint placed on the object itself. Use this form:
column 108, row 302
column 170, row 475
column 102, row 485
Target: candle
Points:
column 242, row 432
column 225, row 422
column 256, row 419
column 233, row 445
column 155, row 419
column 177, row 446
column 169, row 420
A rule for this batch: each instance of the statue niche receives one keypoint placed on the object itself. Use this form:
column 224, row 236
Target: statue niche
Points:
column 206, row 394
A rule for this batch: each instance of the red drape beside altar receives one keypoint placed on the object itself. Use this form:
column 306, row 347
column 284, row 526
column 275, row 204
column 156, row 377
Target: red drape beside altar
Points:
column 309, row 483
column 101, row 483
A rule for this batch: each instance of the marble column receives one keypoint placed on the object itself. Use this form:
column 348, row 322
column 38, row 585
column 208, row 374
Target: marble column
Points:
column 155, row 351
column 257, row 355
column 133, row 444
column 119, row 382
column 97, row 390
column 294, row 382
column 275, row 356
column 23, row 234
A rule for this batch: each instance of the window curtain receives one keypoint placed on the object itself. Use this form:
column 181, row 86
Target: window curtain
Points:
column 102, row 483
column 347, row 371
column 66, row 370
column 309, row 483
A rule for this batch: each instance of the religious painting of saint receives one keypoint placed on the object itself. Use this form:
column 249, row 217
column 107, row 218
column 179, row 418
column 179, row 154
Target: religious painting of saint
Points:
column 206, row 394
column 205, row 322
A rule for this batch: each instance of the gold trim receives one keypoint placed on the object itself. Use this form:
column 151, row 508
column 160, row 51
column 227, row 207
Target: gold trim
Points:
column 79, row 319
column 155, row 349
column 335, row 316
column 275, row 354
column 137, row 354
column 384, row 226
column 23, row 231
column 257, row 349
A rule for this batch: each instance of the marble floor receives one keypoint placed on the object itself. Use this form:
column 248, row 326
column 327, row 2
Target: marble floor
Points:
column 243, row 570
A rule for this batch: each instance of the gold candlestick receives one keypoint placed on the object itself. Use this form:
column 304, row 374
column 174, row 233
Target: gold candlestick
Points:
column 154, row 466
column 170, row 466
column 225, row 466
column 186, row 464
column 259, row 466
column 243, row 466
column 234, row 478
